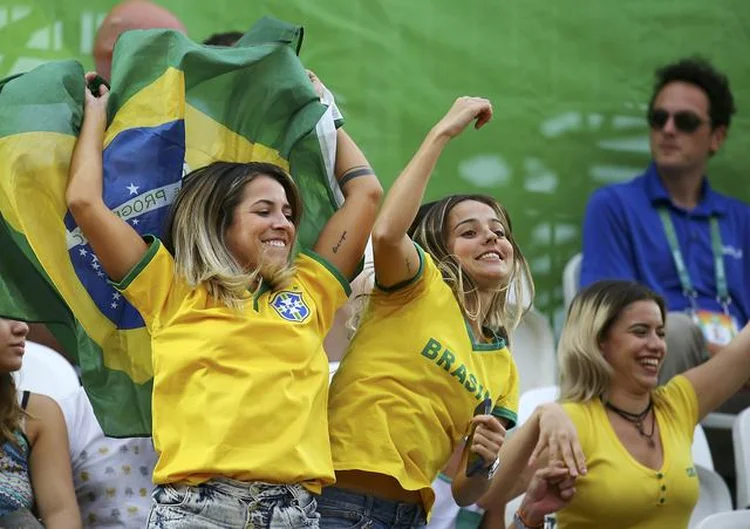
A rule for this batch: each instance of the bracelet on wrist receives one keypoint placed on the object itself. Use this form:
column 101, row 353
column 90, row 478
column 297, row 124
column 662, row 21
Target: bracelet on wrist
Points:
column 519, row 519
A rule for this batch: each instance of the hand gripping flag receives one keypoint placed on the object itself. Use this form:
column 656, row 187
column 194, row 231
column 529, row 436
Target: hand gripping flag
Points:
column 175, row 106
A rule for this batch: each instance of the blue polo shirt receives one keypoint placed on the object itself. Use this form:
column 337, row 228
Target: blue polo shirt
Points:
column 623, row 238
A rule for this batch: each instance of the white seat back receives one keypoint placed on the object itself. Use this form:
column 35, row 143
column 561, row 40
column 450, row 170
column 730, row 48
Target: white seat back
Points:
column 714, row 497
column 701, row 450
column 571, row 278
column 532, row 345
column 47, row 372
column 726, row 520
column 741, row 441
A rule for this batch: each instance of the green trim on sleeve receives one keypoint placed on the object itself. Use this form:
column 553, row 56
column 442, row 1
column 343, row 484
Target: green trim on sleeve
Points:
column 153, row 246
column 407, row 282
column 505, row 413
column 332, row 269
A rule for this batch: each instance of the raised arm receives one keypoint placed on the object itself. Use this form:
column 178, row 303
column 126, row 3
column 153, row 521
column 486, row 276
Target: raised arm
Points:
column 116, row 244
column 396, row 259
column 343, row 239
column 49, row 465
column 723, row 375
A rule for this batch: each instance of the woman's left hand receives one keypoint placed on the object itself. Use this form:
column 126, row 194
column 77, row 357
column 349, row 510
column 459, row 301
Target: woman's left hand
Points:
column 489, row 436
column 558, row 435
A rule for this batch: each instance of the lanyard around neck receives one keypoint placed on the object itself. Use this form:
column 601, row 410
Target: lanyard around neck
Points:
column 688, row 289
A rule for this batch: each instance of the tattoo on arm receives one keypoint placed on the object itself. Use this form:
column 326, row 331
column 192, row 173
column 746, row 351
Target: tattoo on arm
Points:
column 354, row 172
column 338, row 244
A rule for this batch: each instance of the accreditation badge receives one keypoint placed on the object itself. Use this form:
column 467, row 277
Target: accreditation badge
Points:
column 718, row 328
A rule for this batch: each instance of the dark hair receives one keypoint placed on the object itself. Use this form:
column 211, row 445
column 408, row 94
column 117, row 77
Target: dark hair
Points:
column 423, row 209
column 699, row 72
column 228, row 38
column 615, row 295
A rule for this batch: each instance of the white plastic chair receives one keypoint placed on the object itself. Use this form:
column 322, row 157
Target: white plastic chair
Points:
column 332, row 368
column 701, row 450
column 572, row 278
column 726, row 520
column 532, row 345
column 741, row 441
column 714, row 497
column 47, row 372
column 532, row 398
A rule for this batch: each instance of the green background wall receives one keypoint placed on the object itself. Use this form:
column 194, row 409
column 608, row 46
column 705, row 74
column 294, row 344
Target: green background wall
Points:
column 568, row 79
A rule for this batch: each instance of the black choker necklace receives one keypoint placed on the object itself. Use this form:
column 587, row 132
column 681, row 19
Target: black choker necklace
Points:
column 638, row 419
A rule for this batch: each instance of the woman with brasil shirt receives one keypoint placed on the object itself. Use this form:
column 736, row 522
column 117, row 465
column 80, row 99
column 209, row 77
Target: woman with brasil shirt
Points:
column 637, row 437
column 240, row 376
column 430, row 348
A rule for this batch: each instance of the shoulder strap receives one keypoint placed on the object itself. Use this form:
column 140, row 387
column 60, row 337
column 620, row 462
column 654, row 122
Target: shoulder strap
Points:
column 25, row 399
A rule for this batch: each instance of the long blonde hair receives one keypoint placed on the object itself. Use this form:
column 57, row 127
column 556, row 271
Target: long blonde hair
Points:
column 431, row 233
column 11, row 413
column 584, row 372
column 196, row 228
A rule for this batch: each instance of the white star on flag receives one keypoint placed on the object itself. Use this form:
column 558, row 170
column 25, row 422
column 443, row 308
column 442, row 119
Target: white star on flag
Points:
column 82, row 252
column 95, row 265
column 100, row 274
column 135, row 222
column 113, row 305
column 133, row 188
column 116, row 295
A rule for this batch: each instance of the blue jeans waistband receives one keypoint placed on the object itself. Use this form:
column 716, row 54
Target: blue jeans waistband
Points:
column 390, row 512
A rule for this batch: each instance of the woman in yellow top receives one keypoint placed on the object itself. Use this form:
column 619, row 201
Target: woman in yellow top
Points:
column 429, row 362
column 236, row 325
column 637, row 437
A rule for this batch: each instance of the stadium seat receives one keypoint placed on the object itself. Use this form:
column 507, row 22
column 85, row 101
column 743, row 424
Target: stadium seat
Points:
column 741, row 441
column 571, row 279
column 714, row 497
column 532, row 345
column 726, row 520
column 47, row 372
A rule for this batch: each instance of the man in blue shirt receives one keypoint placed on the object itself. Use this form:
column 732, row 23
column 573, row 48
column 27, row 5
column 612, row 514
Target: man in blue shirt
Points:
column 669, row 229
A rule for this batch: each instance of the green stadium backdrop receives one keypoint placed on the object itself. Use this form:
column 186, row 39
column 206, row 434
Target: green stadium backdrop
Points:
column 569, row 80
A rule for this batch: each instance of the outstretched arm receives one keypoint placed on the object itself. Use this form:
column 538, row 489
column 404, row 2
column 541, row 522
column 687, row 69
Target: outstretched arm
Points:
column 723, row 375
column 396, row 259
column 116, row 244
column 343, row 239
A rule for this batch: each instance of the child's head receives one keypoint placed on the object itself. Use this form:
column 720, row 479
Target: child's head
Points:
column 471, row 239
column 233, row 222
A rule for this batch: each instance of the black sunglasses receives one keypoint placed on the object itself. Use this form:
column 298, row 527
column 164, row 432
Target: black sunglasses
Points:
column 684, row 120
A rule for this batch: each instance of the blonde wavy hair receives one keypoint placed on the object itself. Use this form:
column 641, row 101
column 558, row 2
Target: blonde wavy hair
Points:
column 431, row 233
column 584, row 372
column 11, row 414
column 198, row 221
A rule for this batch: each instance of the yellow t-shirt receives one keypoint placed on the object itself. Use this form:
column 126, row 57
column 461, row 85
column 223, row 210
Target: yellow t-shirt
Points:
column 406, row 390
column 238, row 394
column 620, row 493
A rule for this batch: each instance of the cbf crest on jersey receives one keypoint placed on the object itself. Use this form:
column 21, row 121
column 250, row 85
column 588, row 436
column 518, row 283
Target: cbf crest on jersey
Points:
column 290, row 305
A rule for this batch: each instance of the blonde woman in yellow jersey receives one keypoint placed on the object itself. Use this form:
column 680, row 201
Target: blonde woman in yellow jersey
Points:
column 236, row 324
column 637, row 437
column 430, row 348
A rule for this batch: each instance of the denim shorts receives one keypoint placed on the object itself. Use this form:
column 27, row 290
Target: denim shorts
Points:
column 344, row 509
column 227, row 504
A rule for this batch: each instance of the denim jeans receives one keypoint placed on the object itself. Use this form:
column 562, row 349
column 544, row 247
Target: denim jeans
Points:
column 344, row 509
column 226, row 504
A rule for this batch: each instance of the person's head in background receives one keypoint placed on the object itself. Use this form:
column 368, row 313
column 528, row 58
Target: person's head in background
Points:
column 228, row 38
column 130, row 14
column 12, row 346
column 689, row 115
column 612, row 341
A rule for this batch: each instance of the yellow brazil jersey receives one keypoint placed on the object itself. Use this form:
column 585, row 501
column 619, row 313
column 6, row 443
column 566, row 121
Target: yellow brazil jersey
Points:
column 618, row 492
column 406, row 390
column 238, row 393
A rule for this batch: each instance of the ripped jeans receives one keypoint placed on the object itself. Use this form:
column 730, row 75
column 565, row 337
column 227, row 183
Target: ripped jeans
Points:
column 227, row 504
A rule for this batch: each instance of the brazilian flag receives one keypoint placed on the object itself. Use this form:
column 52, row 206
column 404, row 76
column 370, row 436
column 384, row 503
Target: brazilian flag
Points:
column 174, row 106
